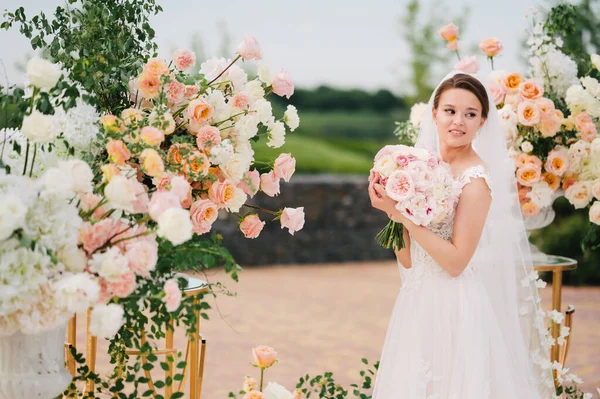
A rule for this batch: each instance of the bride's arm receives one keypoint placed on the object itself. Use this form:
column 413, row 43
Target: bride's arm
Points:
column 471, row 212
column 403, row 255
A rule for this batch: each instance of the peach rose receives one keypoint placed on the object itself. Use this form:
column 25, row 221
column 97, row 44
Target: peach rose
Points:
column 529, row 174
column 240, row 100
column 198, row 111
column 512, row 82
column 582, row 119
column 254, row 395
column 184, row 59
column 109, row 170
column 550, row 125
column 208, row 137
column 112, row 124
column 595, row 213
column 282, row 84
column 557, row 162
column 524, row 159
column 449, row 32
column 148, row 85
column 152, row 136
column 491, row 47
column 175, row 91
column 142, row 256
column 264, row 356
column 172, row 295
column 93, row 236
column 249, row 49
column 530, row 209
column 152, row 163
column 124, row 285
column 131, row 116
column 197, row 163
column 530, row 90
column 284, row 167
column 117, row 152
column 468, row 65
column 156, row 67
column 498, row 93
column 269, row 183
column 293, row 219
column 523, row 191
column 452, row 45
column 161, row 201
column 203, row 214
column 250, row 182
column 222, row 193
column 579, row 194
column 546, row 107
column 568, row 181
column 528, row 113
column 251, row 226
column 552, row 180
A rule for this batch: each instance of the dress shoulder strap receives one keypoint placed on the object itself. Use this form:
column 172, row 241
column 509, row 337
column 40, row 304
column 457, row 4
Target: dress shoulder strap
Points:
column 474, row 172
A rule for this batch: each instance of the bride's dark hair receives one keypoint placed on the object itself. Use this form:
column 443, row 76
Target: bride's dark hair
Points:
column 466, row 82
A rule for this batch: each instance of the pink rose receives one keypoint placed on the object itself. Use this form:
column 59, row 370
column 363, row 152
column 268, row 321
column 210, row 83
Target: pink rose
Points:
column 284, row 167
column 468, row 65
column 269, row 183
column 264, row 356
column 175, row 91
column 183, row 190
column 282, row 84
column 400, row 186
column 249, row 49
column 251, row 226
column 388, row 149
column 589, row 132
column 124, row 285
column 402, row 161
column 449, row 32
column 250, row 182
column 161, row 201
column 498, row 93
column 528, row 113
column 546, row 107
column 163, row 181
column 93, row 236
column 173, row 295
column 222, row 193
column 240, row 100
column 452, row 45
column 140, row 205
column 293, row 219
column 530, row 90
column 491, row 47
column 203, row 214
column 184, row 59
column 142, row 256
column 208, row 137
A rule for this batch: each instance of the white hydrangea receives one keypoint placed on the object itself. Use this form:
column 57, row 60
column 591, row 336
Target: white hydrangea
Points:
column 557, row 70
column 417, row 112
column 106, row 320
column 580, row 100
column 77, row 292
column 12, row 214
column 79, row 127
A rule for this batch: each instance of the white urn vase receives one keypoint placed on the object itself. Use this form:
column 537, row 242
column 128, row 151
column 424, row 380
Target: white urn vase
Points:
column 541, row 220
column 33, row 366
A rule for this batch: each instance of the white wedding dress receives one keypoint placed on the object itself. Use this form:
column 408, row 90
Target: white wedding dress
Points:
column 443, row 340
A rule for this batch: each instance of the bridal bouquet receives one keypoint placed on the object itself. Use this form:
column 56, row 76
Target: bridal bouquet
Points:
column 421, row 184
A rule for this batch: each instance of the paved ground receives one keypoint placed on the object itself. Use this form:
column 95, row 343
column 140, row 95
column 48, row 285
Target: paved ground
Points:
column 327, row 317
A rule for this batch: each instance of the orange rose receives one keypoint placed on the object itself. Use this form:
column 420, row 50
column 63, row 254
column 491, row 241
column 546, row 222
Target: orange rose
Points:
column 529, row 174
column 512, row 82
column 222, row 193
column 197, row 163
column 175, row 156
column 552, row 180
column 491, row 47
column 117, row 152
column 264, row 356
column 148, row 85
column 198, row 110
column 530, row 209
column 152, row 163
column 530, row 90
column 449, row 32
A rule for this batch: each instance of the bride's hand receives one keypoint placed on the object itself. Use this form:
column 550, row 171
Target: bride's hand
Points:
column 380, row 200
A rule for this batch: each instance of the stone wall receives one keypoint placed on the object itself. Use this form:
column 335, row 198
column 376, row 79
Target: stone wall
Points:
column 340, row 224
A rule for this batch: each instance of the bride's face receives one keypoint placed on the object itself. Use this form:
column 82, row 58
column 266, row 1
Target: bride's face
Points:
column 458, row 117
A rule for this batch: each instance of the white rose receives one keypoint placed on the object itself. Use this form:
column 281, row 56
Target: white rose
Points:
column 42, row 73
column 385, row 165
column 106, row 320
column 264, row 110
column 276, row 391
column 175, row 225
column 239, row 199
column 416, row 113
column 238, row 77
column 276, row 134
column 526, row 146
column 264, row 74
column 595, row 213
column 579, row 194
column 541, row 194
column 255, row 90
column 290, row 117
column 12, row 215
column 496, row 77
column 120, row 193
column 235, row 167
column 591, row 85
column 56, row 182
column 110, row 265
column 220, row 154
column 80, row 173
column 39, row 128
column 596, row 61
column 77, row 292
column 74, row 259
column 595, row 146
column 509, row 120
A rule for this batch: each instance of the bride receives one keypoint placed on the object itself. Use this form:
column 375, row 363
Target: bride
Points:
column 467, row 323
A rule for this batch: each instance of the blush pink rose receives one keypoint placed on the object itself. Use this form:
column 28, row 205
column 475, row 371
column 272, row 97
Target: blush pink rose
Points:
column 402, row 161
column 93, row 236
column 222, row 193
column 400, row 186
column 550, row 125
column 161, row 201
column 251, row 226
column 183, row 190
column 285, row 166
column 156, row 67
column 557, row 162
column 546, row 107
column 208, row 137
column 449, row 32
column 388, row 149
column 498, row 93
column 249, row 49
column 589, row 132
column 250, row 182
column 292, row 219
column 175, row 91
column 140, row 205
column 491, row 47
column 142, row 256
column 152, row 136
column 124, row 285
column 172, row 295
column 468, row 65
column 282, row 84
column 264, row 356
column 163, row 181
column 240, row 100
column 528, row 113
column 184, row 59
column 269, row 183
column 203, row 214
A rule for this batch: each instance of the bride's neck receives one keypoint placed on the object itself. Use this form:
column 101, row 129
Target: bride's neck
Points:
column 451, row 154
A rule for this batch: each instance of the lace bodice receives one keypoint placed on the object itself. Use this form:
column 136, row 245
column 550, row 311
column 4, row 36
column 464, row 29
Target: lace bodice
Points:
column 422, row 263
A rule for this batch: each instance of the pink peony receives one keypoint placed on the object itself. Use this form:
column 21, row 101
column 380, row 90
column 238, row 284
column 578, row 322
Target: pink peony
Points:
column 251, row 226
column 250, row 182
column 284, row 167
column 161, row 201
column 93, row 236
column 491, row 47
column 203, row 214
column 184, row 59
column 183, row 190
column 293, row 219
column 208, row 137
column 191, row 90
column 175, row 91
column 172, row 295
column 269, row 183
column 449, row 32
column 468, row 65
column 124, row 285
column 282, row 84
column 249, row 49
column 400, row 186
column 142, row 256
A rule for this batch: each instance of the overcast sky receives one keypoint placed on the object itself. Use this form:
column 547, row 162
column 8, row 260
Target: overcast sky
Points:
column 341, row 43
